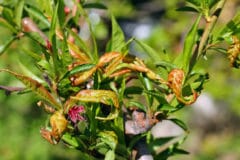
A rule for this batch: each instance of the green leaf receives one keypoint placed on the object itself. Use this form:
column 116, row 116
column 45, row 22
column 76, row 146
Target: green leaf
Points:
column 94, row 5
column 180, row 123
column 109, row 138
column 36, row 87
column 53, row 39
column 35, row 12
column 188, row 9
column 148, row 86
column 183, row 61
column 110, row 155
column 179, row 151
column 45, row 5
column 167, row 107
column 137, row 104
column 61, row 14
column 117, row 42
column 8, row 15
column 34, row 55
column 81, row 68
column 212, row 3
column 150, row 52
column 36, row 37
column 7, row 25
column 70, row 140
column 133, row 90
column 5, row 46
column 18, row 12
column 194, row 2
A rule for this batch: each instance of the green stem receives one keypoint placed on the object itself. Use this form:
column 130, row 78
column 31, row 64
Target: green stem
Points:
column 211, row 21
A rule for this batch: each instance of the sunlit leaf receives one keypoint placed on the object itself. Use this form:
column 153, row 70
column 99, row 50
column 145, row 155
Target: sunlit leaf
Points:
column 117, row 40
column 18, row 12
column 183, row 61
column 110, row 155
column 36, row 87
column 70, row 140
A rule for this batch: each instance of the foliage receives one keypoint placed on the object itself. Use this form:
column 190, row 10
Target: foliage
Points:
column 104, row 105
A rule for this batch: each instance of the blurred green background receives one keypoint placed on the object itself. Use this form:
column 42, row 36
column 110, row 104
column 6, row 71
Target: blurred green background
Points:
column 213, row 121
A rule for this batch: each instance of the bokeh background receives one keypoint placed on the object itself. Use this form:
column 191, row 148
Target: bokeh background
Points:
column 213, row 120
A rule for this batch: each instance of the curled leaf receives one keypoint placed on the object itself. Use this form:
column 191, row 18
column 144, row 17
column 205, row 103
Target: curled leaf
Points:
column 58, row 124
column 175, row 82
column 98, row 96
column 234, row 51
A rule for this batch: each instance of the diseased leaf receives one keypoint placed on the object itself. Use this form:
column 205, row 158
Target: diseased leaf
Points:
column 98, row 96
column 111, row 116
column 36, row 87
column 83, row 77
column 82, row 45
column 77, row 53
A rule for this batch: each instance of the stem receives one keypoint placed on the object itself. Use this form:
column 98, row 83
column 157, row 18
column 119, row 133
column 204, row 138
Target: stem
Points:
column 211, row 21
